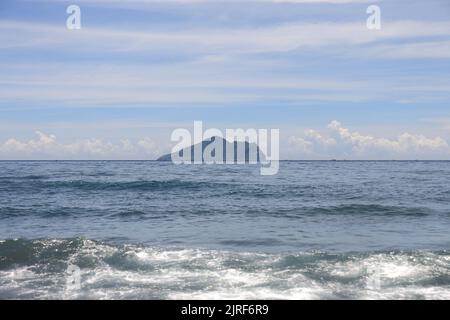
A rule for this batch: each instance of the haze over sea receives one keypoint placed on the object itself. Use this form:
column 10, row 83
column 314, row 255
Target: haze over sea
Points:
column 153, row 230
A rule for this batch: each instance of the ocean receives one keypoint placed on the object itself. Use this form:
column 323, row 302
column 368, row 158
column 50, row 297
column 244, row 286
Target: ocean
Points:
column 154, row 230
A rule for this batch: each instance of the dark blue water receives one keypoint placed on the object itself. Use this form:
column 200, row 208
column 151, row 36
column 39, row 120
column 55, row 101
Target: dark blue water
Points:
column 156, row 230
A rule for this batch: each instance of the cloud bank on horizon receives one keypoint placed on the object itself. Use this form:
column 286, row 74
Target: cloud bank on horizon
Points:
column 248, row 63
column 337, row 141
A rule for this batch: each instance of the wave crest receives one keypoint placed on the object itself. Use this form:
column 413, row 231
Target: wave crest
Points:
column 37, row 269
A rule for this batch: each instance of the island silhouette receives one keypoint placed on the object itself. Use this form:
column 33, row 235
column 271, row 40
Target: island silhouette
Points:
column 236, row 147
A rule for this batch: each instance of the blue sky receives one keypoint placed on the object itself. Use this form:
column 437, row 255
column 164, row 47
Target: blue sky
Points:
column 137, row 69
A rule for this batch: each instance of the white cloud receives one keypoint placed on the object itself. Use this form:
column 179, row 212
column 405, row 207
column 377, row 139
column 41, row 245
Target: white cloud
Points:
column 197, row 83
column 336, row 142
column 424, row 49
column 212, row 62
column 207, row 41
column 133, row 3
column 46, row 146
column 214, row 67
column 342, row 143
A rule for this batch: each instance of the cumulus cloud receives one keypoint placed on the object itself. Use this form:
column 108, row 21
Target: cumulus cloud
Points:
column 46, row 146
column 342, row 143
column 334, row 142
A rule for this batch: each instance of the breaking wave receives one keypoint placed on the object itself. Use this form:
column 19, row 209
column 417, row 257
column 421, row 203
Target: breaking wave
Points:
column 38, row 269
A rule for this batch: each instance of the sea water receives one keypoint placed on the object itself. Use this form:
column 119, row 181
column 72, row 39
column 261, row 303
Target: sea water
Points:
column 154, row 230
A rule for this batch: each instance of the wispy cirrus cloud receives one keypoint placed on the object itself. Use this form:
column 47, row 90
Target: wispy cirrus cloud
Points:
column 195, row 83
column 277, row 38
column 213, row 66
column 143, row 2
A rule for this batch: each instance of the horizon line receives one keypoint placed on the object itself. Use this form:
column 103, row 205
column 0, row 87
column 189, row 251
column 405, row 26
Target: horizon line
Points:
column 285, row 160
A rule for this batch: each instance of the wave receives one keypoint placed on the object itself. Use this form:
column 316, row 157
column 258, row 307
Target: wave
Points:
column 143, row 213
column 351, row 209
column 86, row 185
column 369, row 209
column 38, row 269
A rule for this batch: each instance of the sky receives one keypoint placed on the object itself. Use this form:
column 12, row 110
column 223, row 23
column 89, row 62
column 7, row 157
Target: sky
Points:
column 138, row 69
